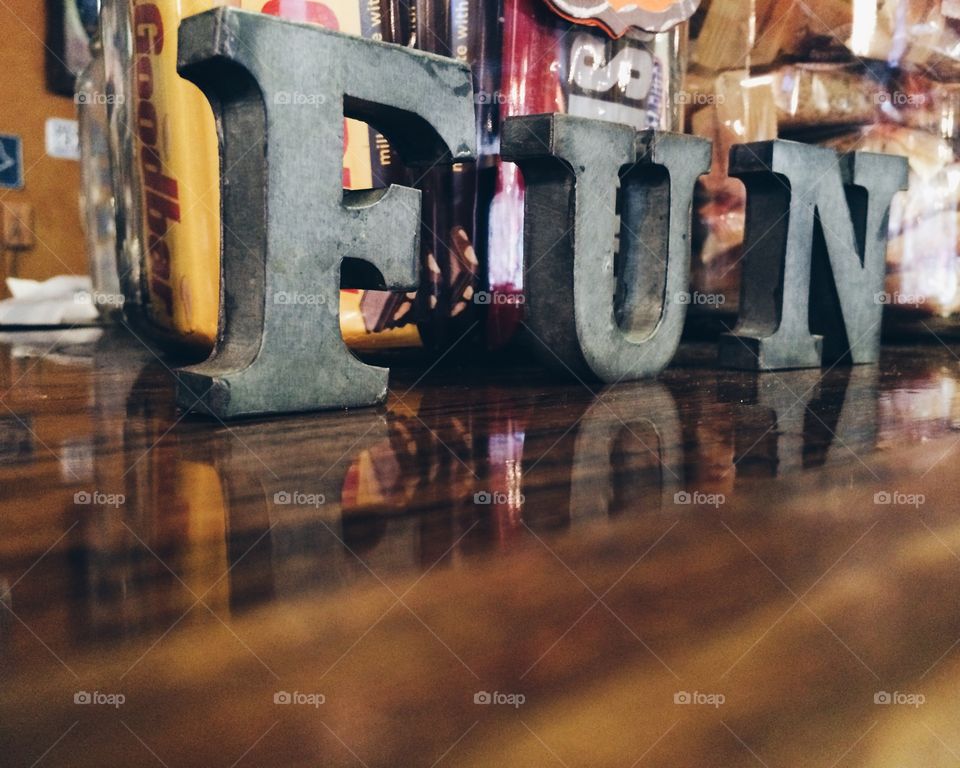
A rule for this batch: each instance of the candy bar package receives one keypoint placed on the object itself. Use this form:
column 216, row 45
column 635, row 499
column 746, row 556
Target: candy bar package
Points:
column 163, row 151
column 168, row 209
column 880, row 76
column 526, row 56
column 444, row 310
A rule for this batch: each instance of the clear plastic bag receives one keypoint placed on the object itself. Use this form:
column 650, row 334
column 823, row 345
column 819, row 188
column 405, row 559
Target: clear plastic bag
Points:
column 876, row 76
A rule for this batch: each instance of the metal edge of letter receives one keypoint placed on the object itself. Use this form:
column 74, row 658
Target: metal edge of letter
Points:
column 804, row 300
column 571, row 168
column 287, row 224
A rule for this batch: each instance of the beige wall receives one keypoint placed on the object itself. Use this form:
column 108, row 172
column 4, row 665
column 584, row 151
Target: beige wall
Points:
column 50, row 185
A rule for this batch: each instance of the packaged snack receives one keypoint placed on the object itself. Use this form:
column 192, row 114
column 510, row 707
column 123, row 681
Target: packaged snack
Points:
column 787, row 30
column 727, row 30
column 757, row 34
column 166, row 170
column 819, row 97
column 918, row 101
column 921, row 35
column 175, row 300
column 166, row 176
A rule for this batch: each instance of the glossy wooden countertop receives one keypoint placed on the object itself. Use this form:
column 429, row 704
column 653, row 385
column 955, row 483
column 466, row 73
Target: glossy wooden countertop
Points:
column 691, row 572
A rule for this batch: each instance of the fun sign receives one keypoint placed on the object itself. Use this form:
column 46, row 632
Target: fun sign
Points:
column 815, row 235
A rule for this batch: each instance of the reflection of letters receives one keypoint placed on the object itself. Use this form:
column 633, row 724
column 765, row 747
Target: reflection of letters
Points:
column 857, row 424
column 627, row 459
column 787, row 424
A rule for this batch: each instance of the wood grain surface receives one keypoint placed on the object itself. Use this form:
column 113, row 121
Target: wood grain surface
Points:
column 696, row 571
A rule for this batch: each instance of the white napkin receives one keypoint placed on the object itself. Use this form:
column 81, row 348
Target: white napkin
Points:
column 61, row 300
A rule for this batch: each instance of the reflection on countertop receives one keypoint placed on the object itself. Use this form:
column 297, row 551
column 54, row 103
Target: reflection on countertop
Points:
column 125, row 524
column 159, row 508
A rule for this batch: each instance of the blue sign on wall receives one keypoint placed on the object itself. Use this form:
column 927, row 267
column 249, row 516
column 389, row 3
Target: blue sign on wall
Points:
column 11, row 162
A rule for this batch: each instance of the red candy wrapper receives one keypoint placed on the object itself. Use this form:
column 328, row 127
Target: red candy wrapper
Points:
column 551, row 64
